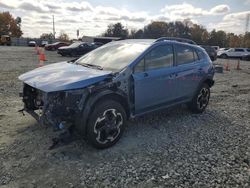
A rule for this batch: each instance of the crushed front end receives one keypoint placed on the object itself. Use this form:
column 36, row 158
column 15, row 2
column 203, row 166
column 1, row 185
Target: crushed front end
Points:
column 53, row 108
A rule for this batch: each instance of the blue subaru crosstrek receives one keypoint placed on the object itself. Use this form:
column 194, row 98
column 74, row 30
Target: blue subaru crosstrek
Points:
column 96, row 94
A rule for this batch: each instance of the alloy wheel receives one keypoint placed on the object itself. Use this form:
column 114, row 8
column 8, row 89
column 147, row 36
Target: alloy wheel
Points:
column 107, row 126
column 203, row 98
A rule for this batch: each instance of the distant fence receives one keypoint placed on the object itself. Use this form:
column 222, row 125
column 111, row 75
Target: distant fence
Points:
column 25, row 41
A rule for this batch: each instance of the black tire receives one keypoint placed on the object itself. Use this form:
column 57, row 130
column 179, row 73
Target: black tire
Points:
column 224, row 56
column 200, row 100
column 106, row 124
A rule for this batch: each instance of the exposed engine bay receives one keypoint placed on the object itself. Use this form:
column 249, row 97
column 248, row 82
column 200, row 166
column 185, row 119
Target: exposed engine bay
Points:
column 55, row 107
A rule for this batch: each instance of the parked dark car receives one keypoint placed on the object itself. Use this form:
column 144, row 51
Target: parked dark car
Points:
column 212, row 53
column 98, row 44
column 246, row 57
column 32, row 43
column 76, row 49
column 55, row 46
column 96, row 94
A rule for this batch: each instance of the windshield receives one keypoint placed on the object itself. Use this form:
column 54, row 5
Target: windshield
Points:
column 113, row 56
column 76, row 44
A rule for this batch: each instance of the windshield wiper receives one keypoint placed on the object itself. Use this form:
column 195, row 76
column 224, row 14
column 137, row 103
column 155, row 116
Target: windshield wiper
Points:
column 72, row 60
column 91, row 65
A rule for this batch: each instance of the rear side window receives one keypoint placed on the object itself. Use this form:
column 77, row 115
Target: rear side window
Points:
column 185, row 54
column 200, row 54
column 196, row 56
column 160, row 57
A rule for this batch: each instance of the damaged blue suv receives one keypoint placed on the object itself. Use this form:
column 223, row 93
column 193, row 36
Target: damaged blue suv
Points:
column 96, row 94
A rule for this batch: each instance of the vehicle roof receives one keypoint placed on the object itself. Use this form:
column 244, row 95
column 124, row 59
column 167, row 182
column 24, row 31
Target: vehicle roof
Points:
column 150, row 41
column 178, row 39
column 135, row 41
column 154, row 41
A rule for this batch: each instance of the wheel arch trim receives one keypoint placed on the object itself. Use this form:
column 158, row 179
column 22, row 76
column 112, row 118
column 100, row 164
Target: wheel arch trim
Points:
column 93, row 99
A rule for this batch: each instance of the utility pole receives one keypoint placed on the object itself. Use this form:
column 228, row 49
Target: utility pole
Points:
column 77, row 33
column 54, row 33
column 247, row 22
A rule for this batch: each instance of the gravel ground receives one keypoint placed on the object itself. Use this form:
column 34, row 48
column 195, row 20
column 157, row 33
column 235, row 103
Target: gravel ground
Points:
column 170, row 148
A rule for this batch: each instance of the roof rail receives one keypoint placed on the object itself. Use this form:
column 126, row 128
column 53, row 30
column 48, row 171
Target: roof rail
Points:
column 176, row 39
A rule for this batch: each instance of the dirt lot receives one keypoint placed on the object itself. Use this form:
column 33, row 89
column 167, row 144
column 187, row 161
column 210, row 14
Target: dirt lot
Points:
column 171, row 148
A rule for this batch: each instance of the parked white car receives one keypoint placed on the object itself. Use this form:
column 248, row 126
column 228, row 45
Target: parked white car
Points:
column 233, row 53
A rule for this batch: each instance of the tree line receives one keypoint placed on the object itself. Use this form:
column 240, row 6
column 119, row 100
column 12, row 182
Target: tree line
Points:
column 184, row 29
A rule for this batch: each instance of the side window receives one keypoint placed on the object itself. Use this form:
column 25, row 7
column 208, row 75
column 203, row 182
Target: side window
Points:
column 239, row 50
column 185, row 54
column 140, row 66
column 159, row 57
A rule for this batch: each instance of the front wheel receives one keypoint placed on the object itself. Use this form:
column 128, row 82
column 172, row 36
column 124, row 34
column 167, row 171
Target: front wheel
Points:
column 224, row 56
column 200, row 100
column 106, row 124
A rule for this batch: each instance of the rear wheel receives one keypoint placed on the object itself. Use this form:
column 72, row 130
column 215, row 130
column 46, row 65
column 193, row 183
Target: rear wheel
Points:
column 200, row 100
column 106, row 124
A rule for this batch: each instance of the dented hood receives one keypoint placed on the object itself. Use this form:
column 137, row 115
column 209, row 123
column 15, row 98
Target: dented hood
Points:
column 63, row 76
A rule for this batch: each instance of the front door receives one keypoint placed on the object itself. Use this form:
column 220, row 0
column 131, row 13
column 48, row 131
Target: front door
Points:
column 154, row 79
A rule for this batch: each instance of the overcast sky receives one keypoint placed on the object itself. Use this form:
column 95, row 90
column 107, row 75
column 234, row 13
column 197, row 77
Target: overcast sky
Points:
column 92, row 17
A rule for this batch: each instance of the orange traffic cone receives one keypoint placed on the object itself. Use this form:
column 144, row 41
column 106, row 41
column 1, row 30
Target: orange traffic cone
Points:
column 227, row 67
column 238, row 65
column 42, row 58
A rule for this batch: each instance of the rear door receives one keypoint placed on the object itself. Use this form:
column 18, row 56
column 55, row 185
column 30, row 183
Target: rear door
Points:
column 189, row 71
column 154, row 79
